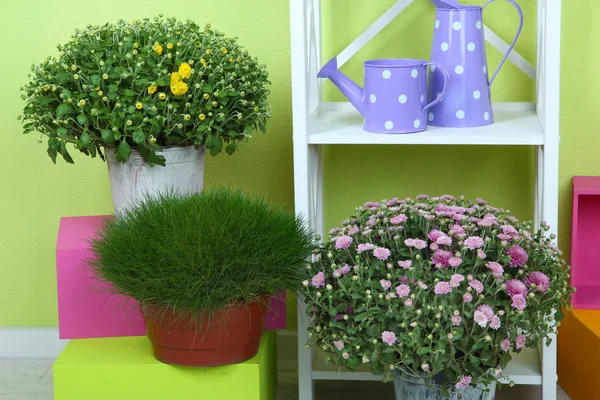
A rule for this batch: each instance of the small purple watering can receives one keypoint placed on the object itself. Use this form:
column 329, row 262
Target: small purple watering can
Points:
column 459, row 45
column 394, row 97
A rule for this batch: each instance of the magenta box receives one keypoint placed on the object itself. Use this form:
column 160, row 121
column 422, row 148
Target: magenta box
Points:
column 85, row 309
column 585, row 264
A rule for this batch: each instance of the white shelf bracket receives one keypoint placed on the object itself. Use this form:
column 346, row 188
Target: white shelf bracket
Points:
column 372, row 31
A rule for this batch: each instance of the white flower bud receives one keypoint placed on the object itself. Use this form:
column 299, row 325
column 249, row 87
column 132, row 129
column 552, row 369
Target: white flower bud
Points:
column 319, row 294
column 305, row 283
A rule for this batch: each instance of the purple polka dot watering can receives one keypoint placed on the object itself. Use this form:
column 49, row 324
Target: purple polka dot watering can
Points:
column 459, row 45
column 394, row 97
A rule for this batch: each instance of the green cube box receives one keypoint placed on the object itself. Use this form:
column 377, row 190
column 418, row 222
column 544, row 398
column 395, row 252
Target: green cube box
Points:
column 123, row 368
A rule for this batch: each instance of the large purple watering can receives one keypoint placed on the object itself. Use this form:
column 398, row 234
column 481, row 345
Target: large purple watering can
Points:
column 459, row 45
column 394, row 97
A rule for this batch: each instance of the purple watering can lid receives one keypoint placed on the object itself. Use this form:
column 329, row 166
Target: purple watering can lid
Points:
column 447, row 4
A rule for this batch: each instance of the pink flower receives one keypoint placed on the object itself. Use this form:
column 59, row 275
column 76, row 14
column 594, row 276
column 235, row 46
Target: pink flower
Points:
column 339, row 344
column 333, row 231
column 515, row 286
column 420, row 244
column 473, row 242
column 409, row 242
column 463, row 382
column 392, row 202
column 539, row 279
column 408, row 302
column 519, row 302
column 434, row 246
column 366, row 232
column 456, row 279
column 457, row 229
column 467, row 297
column 372, row 204
column 486, row 310
column 385, row 284
column 481, row 254
column 444, row 240
column 402, row 291
column 456, row 320
column 381, row 253
column 495, row 322
column 434, row 235
column 388, row 337
column 405, row 264
column 486, row 222
column 480, row 318
column 318, row 280
column 343, row 270
column 505, row 344
column 496, row 268
column 454, row 261
column 353, row 231
column 503, row 237
column 398, row 219
column 440, row 258
column 481, row 201
column 422, row 285
column 422, row 197
column 518, row 256
column 509, row 230
column 520, row 341
column 343, row 242
column 442, row 288
column 364, row 247
column 476, row 285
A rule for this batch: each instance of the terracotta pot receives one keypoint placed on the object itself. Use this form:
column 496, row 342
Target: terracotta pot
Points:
column 228, row 336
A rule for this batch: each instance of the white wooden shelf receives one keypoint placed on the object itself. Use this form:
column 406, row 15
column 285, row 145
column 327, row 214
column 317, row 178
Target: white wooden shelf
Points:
column 524, row 369
column 316, row 123
column 515, row 124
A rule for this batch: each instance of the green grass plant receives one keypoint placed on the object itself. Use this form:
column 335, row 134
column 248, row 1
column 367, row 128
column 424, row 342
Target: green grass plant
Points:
column 202, row 252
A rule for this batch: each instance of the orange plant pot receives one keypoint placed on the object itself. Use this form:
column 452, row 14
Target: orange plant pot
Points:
column 227, row 336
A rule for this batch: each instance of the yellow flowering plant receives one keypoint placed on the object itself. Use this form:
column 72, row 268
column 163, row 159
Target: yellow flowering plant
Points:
column 146, row 85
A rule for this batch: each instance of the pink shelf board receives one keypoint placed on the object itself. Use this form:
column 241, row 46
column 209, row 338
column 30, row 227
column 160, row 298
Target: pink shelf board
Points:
column 86, row 309
column 585, row 272
column 586, row 185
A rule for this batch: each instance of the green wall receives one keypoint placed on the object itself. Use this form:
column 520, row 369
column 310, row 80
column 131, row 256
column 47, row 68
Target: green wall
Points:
column 34, row 193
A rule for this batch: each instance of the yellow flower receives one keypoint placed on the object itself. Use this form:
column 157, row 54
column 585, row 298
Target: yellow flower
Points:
column 185, row 70
column 97, row 88
column 230, row 59
column 152, row 139
column 157, row 48
column 176, row 77
column 179, row 88
column 169, row 45
column 225, row 50
column 82, row 102
column 206, row 96
column 162, row 96
column 151, row 89
column 187, row 117
column 201, row 117
column 105, row 76
column 100, row 93
column 209, row 51
column 139, row 105
column 203, row 61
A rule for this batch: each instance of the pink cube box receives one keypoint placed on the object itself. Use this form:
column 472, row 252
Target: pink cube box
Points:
column 585, row 272
column 86, row 309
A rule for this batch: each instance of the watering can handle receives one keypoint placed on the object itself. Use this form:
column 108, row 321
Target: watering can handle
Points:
column 514, row 40
column 443, row 92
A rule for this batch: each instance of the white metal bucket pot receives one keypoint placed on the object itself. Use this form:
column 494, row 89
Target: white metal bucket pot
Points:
column 412, row 388
column 132, row 181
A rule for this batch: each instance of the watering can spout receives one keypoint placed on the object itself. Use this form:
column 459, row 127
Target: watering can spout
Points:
column 351, row 90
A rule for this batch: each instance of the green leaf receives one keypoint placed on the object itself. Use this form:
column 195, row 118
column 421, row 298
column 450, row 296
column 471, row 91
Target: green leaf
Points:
column 64, row 153
column 95, row 79
column 139, row 136
column 128, row 92
column 230, row 149
column 81, row 118
column 248, row 129
column 217, row 146
column 421, row 351
column 62, row 77
column 445, row 391
column 107, row 136
column 352, row 363
column 558, row 316
column 64, row 108
column 62, row 132
column 207, row 88
column 262, row 127
column 123, row 151
column 83, row 141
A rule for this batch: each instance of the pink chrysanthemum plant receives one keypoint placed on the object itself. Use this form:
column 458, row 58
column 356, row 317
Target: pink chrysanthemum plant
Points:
column 435, row 285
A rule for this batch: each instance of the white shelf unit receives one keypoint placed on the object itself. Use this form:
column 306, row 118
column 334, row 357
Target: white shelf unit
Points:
column 316, row 122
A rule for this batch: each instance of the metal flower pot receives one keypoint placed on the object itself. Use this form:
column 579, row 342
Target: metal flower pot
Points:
column 411, row 388
column 133, row 180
